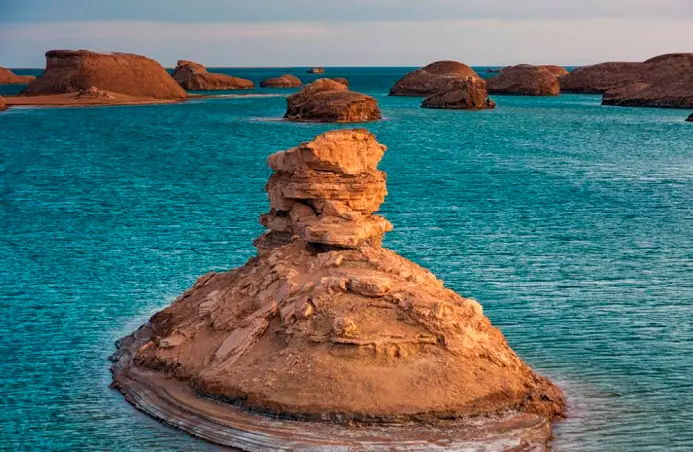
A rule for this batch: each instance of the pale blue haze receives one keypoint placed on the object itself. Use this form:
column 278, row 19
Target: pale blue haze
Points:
column 572, row 223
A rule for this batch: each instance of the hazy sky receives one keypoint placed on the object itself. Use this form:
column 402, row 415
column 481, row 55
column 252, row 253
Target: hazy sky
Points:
column 348, row 32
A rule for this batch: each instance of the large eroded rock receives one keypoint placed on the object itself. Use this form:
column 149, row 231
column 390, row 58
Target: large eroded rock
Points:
column 468, row 94
column 70, row 71
column 283, row 81
column 524, row 80
column 7, row 77
column 194, row 77
column 431, row 79
column 326, row 100
column 324, row 326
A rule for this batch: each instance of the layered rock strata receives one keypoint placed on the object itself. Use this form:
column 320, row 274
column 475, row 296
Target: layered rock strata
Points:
column 326, row 340
column 468, row 94
column 326, row 100
column 7, row 77
column 195, row 77
column 431, row 79
column 72, row 71
column 283, row 81
column 524, row 80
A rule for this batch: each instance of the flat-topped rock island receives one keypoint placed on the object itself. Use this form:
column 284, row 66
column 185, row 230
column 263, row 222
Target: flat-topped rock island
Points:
column 325, row 340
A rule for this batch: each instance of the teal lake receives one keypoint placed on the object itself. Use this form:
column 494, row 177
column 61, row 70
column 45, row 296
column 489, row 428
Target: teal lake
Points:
column 571, row 223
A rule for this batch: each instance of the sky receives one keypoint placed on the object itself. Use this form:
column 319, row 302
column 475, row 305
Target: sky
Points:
column 349, row 32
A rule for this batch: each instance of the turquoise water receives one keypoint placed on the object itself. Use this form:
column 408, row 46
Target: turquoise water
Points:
column 571, row 222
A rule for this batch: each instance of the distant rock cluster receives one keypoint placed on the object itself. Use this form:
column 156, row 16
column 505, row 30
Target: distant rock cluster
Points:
column 194, row 77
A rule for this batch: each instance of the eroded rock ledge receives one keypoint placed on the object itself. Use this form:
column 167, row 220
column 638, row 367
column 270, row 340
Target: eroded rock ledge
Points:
column 7, row 77
column 326, row 339
column 195, row 77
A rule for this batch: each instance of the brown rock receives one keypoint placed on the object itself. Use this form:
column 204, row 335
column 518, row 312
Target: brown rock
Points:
column 325, row 100
column 376, row 339
column 194, row 77
column 284, row 81
column 341, row 80
column 3, row 107
column 316, row 70
column 468, row 94
column 7, row 77
column 525, row 80
column 557, row 71
column 431, row 79
column 663, row 81
column 70, row 71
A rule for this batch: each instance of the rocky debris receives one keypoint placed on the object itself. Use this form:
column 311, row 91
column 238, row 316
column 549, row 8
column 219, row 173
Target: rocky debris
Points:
column 557, row 71
column 324, row 324
column 326, row 100
column 431, row 79
column 7, row 77
column 193, row 76
column 341, row 80
column 663, row 81
column 690, row 118
column 467, row 94
column 525, row 80
column 69, row 71
column 3, row 106
column 316, row 70
column 94, row 92
column 284, row 81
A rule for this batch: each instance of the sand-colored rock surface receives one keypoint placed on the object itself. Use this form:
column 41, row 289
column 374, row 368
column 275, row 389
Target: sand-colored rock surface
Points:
column 327, row 340
column 7, row 77
column 341, row 80
column 326, row 100
column 468, row 94
column 283, row 81
column 193, row 76
column 431, row 79
column 129, row 76
column 524, row 80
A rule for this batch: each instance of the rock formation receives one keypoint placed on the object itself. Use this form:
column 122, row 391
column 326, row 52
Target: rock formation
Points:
column 7, row 77
column 3, row 106
column 194, row 77
column 341, row 80
column 663, row 81
column 431, row 79
column 325, row 100
column 469, row 94
column 326, row 340
column 316, row 70
column 557, row 71
column 690, row 118
column 525, row 80
column 284, row 81
column 71, row 71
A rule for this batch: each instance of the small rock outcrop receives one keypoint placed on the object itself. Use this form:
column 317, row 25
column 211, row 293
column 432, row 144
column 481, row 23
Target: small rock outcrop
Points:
column 3, row 106
column 194, row 77
column 316, row 70
column 431, row 79
column 7, row 77
column 468, row 94
column 283, row 81
column 524, row 80
column 70, row 71
column 690, row 118
column 326, row 328
column 341, row 80
column 325, row 100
